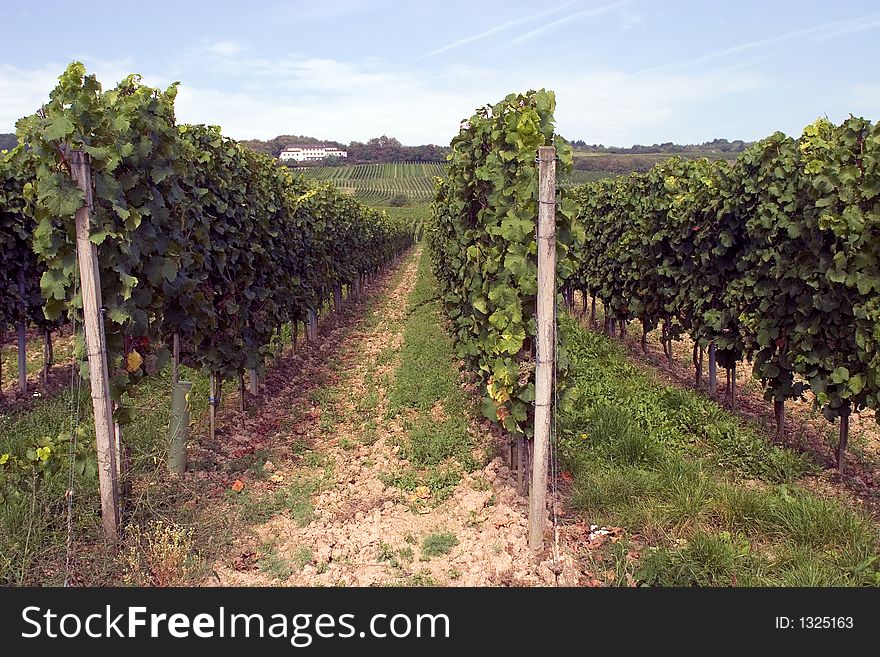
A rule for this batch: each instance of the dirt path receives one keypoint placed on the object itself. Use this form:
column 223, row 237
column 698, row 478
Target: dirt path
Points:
column 335, row 521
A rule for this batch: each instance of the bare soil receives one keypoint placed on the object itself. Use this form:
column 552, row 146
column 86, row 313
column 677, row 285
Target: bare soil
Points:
column 363, row 532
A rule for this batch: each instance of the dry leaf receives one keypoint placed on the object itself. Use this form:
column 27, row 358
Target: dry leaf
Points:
column 133, row 361
column 238, row 485
column 277, row 478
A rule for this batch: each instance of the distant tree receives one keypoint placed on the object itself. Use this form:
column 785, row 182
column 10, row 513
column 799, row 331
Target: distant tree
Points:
column 399, row 201
column 376, row 150
column 8, row 141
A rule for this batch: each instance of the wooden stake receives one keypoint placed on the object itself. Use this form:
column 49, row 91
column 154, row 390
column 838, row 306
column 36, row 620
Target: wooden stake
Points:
column 212, row 405
column 22, row 337
column 241, row 400
column 313, row 326
column 713, row 370
column 337, row 298
column 47, row 355
column 520, row 465
column 295, row 333
column 779, row 414
column 732, row 374
column 254, row 383
column 87, row 255
column 175, row 365
column 546, row 320
column 844, row 438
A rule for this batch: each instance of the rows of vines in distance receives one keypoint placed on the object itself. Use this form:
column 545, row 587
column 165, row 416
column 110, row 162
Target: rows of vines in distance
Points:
column 187, row 223
column 770, row 258
column 377, row 183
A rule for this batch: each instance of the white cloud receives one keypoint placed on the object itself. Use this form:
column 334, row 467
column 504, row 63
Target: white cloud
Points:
column 23, row 91
column 586, row 13
column 254, row 97
column 223, row 48
column 498, row 28
column 822, row 32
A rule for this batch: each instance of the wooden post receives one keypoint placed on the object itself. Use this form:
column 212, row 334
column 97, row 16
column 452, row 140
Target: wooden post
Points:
column 337, row 298
column 313, row 326
column 779, row 414
column 843, row 439
column 253, row 382
column 295, row 331
column 87, row 255
column 241, row 400
column 732, row 386
column 713, row 370
column 175, row 365
column 47, row 355
column 546, row 319
column 22, row 334
column 212, row 405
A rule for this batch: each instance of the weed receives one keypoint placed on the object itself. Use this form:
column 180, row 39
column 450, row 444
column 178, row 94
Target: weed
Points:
column 274, row 565
column 437, row 544
column 708, row 560
column 302, row 556
column 160, row 554
column 384, row 552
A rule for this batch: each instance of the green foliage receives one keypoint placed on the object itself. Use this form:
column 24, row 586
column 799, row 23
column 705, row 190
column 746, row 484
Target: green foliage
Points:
column 720, row 504
column 625, row 417
column 196, row 234
column 771, row 257
column 484, row 247
column 708, row 560
column 20, row 271
column 426, row 385
column 438, row 544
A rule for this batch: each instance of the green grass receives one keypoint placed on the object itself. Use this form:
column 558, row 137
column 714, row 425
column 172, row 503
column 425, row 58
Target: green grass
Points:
column 714, row 502
column 33, row 520
column 427, row 396
column 274, row 565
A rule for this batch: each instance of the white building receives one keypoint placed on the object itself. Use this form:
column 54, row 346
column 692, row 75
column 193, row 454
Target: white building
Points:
column 305, row 152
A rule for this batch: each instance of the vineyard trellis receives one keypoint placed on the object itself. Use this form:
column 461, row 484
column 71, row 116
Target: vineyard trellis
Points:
column 197, row 237
column 772, row 259
column 378, row 183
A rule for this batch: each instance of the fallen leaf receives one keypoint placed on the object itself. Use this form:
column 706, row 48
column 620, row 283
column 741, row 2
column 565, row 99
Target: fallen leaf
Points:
column 238, row 485
column 246, row 561
column 277, row 478
column 133, row 361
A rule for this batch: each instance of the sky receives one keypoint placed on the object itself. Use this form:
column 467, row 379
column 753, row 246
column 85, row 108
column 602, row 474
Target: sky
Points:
column 624, row 71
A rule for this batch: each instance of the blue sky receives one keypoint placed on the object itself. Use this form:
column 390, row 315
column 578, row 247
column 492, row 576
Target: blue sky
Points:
column 638, row 71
